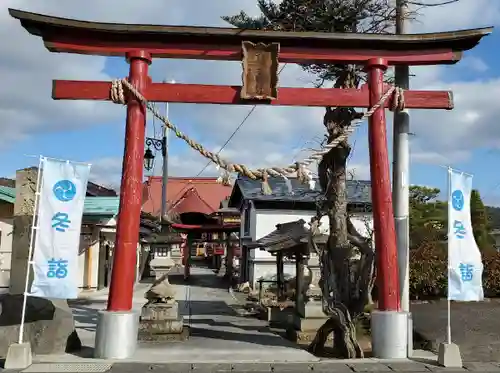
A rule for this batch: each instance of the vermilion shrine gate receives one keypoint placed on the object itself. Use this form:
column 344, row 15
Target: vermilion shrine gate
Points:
column 260, row 52
column 192, row 231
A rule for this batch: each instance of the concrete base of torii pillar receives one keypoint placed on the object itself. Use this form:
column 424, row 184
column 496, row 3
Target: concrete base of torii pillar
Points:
column 116, row 335
column 389, row 334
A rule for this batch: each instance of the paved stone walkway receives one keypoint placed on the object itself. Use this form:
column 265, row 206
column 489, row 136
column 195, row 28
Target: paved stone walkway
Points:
column 222, row 340
column 218, row 331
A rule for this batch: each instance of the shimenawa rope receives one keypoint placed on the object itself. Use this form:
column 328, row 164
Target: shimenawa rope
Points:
column 117, row 95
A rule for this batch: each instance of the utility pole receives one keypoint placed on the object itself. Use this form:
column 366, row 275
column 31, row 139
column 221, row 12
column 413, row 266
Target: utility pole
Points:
column 401, row 179
column 161, row 145
column 164, row 153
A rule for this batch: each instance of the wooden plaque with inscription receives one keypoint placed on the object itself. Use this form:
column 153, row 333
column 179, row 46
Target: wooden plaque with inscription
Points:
column 260, row 71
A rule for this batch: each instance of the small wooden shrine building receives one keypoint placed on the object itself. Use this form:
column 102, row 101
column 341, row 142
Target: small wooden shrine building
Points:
column 290, row 240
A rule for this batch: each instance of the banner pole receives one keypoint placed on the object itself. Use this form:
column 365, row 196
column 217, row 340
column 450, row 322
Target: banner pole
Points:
column 448, row 301
column 34, row 226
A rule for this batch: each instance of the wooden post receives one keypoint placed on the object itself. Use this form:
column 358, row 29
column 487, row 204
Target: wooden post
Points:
column 229, row 258
column 280, row 274
column 88, row 259
column 187, row 256
column 383, row 216
column 299, row 284
column 127, row 231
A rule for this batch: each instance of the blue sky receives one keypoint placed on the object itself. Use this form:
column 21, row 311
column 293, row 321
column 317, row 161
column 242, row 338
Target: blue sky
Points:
column 483, row 161
column 467, row 138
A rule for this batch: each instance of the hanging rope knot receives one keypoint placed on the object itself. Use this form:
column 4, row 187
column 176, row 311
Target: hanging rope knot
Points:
column 301, row 176
column 224, row 178
column 117, row 93
column 398, row 99
column 266, row 189
column 304, row 175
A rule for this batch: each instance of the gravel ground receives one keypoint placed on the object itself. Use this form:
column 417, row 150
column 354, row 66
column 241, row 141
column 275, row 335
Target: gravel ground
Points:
column 475, row 327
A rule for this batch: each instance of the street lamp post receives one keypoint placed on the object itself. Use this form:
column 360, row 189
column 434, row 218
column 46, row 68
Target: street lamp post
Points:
column 160, row 145
column 166, row 131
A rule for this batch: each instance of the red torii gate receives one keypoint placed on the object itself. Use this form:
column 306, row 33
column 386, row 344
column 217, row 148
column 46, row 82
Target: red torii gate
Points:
column 140, row 43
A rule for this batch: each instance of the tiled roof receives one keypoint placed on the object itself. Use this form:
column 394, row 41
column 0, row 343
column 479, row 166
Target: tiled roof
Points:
column 101, row 206
column 358, row 191
column 5, row 181
column 191, row 201
column 286, row 236
column 96, row 190
column 207, row 188
column 104, row 206
column 7, row 194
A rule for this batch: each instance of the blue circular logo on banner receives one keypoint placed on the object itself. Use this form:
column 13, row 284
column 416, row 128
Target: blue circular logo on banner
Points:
column 64, row 190
column 457, row 200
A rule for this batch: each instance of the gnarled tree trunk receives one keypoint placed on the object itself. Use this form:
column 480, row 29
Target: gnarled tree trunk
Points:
column 344, row 293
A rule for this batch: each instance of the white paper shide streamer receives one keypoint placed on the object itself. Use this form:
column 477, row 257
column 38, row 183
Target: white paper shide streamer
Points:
column 60, row 209
column 465, row 267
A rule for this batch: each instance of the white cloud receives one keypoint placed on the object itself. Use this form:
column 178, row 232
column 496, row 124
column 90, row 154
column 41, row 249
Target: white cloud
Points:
column 106, row 172
column 272, row 135
column 475, row 64
column 471, row 125
column 462, row 14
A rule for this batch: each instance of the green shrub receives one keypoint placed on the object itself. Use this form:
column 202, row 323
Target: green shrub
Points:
column 491, row 274
column 428, row 272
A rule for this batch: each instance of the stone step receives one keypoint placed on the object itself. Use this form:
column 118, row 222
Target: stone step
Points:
column 160, row 330
column 147, row 336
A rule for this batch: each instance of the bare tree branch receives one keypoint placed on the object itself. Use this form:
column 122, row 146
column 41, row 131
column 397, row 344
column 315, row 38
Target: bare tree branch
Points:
column 446, row 2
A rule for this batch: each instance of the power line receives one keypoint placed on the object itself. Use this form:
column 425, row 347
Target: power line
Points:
column 236, row 130
column 230, row 137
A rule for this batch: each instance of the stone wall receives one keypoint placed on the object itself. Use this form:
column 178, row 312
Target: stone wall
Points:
column 23, row 217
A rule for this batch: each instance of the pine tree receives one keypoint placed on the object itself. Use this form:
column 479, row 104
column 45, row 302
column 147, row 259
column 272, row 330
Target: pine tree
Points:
column 427, row 216
column 480, row 221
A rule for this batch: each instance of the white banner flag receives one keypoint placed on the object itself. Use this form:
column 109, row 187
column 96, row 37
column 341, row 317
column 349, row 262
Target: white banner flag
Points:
column 465, row 267
column 60, row 209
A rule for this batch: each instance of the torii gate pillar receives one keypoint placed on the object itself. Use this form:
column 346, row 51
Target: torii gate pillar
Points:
column 383, row 220
column 389, row 325
column 117, row 327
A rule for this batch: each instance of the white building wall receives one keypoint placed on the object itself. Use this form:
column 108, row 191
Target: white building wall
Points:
column 264, row 264
column 6, row 226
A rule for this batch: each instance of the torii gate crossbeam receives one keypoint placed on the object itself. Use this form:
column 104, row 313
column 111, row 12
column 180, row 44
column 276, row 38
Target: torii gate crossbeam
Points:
column 139, row 44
